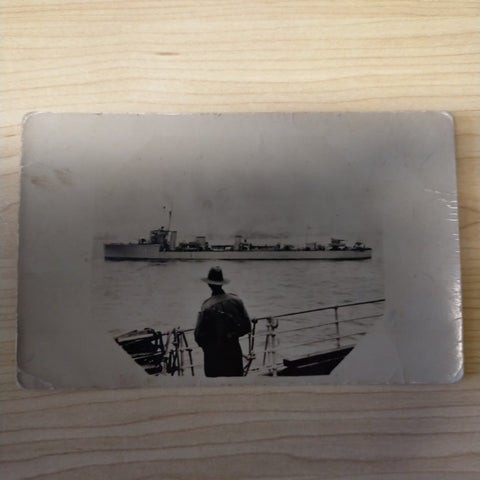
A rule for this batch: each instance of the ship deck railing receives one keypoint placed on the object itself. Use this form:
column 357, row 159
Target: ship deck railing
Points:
column 286, row 337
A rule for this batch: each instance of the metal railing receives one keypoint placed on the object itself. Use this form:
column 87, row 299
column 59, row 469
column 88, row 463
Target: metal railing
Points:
column 178, row 353
column 273, row 332
column 290, row 339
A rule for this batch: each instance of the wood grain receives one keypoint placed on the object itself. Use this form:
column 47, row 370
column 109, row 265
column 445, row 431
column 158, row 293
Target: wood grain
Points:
column 185, row 56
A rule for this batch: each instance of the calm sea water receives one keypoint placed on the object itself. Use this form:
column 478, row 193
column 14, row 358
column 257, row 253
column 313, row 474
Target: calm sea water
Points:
column 134, row 295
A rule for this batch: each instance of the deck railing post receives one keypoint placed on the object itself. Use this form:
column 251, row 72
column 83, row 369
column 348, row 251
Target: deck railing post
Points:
column 270, row 354
column 337, row 326
column 185, row 349
column 180, row 347
column 251, row 347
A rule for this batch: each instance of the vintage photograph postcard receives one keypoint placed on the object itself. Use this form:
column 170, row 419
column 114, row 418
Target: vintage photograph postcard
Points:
column 238, row 249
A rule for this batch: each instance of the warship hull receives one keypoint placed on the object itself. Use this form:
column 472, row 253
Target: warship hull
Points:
column 152, row 252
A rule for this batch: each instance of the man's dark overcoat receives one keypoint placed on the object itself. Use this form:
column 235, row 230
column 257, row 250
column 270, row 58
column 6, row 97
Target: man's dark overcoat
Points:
column 222, row 320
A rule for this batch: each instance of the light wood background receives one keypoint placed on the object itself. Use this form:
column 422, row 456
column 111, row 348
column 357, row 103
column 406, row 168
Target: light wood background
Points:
column 242, row 56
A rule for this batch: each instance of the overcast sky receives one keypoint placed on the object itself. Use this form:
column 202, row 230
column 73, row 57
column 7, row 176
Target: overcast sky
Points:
column 287, row 177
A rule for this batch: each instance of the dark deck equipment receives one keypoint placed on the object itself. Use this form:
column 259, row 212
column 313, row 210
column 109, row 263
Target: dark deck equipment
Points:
column 321, row 364
column 145, row 347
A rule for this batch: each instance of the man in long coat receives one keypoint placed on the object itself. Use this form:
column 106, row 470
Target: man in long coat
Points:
column 222, row 320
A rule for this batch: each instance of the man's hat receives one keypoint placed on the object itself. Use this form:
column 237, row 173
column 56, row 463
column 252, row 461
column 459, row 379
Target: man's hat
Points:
column 215, row 277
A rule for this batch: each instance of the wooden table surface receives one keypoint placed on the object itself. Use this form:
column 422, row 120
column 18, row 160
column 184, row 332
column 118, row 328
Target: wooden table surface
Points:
column 246, row 56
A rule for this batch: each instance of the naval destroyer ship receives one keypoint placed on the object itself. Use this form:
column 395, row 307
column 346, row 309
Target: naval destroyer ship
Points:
column 162, row 245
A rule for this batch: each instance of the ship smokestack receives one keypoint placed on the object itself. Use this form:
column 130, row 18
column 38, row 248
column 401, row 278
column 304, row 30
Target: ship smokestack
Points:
column 173, row 240
column 201, row 240
column 236, row 245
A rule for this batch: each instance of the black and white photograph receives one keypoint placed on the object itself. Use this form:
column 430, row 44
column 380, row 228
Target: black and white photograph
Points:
column 229, row 249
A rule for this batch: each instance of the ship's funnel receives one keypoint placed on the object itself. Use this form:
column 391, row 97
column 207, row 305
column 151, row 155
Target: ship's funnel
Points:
column 201, row 240
column 238, row 240
column 173, row 240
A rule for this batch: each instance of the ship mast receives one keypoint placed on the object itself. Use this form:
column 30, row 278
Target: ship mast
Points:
column 169, row 217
